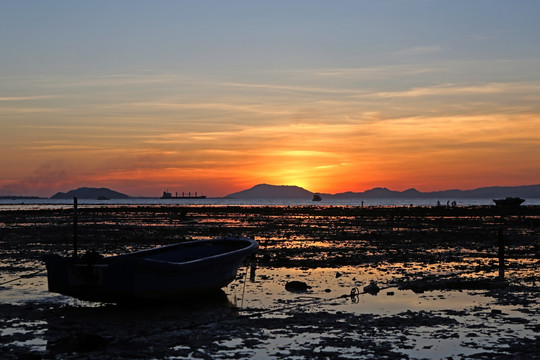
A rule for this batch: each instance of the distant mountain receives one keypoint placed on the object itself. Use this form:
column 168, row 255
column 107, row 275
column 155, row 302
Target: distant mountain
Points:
column 90, row 193
column 527, row 191
column 265, row 191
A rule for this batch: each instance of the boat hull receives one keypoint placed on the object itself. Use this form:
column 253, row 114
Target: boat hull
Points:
column 168, row 272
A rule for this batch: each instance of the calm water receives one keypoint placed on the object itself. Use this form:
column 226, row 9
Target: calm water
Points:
column 6, row 204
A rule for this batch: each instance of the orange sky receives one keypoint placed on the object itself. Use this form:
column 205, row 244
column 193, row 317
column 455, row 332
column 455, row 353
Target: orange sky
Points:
column 437, row 106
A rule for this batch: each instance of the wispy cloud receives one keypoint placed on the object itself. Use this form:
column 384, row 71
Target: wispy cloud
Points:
column 492, row 35
column 27, row 98
column 453, row 89
column 377, row 72
column 262, row 109
column 419, row 50
column 289, row 88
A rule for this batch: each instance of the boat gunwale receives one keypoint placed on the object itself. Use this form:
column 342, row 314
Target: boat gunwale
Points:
column 202, row 261
column 138, row 257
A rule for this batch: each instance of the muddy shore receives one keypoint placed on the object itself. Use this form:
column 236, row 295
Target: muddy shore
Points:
column 434, row 255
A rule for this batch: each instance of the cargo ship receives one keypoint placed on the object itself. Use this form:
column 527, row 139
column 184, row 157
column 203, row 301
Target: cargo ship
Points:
column 189, row 195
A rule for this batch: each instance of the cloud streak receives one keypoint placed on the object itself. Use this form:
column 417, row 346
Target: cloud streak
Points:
column 27, row 98
column 453, row 89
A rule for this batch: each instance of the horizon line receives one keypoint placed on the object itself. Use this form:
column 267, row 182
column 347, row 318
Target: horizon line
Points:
column 283, row 185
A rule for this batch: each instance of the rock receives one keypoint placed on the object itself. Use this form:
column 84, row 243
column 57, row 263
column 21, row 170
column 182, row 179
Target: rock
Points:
column 297, row 286
column 372, row 288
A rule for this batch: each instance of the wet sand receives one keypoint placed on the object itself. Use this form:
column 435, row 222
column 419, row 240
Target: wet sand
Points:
column 436, row 270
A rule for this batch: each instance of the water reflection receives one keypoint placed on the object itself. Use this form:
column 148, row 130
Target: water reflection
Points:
column 256, row 316
column 431, row 324
column 89, row 329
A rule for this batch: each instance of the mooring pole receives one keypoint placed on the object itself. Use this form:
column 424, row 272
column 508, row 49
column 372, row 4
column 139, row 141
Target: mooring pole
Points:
column 252, row 269
column 501, row 254
column 75, row 227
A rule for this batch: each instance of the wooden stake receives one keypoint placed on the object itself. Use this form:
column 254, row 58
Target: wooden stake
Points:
column 75, row 227
column 501, row 254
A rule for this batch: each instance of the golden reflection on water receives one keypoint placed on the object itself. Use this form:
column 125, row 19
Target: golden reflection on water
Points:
column 262, row 290
column 329, row 249
column 329, row 285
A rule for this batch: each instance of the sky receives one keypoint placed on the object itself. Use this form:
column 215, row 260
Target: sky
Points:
column 216, row 96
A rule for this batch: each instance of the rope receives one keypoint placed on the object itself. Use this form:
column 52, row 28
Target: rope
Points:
column 353, row 295
column 22, row 277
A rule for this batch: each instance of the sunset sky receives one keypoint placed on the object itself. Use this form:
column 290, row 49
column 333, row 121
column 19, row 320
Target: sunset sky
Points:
column 218, row 96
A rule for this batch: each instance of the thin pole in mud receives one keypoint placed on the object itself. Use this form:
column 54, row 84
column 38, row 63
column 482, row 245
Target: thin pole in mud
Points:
column 244, row 290
column 75, row 227
column 501, row 253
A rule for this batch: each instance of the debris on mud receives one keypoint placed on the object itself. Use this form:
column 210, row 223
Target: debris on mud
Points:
column 431, row 283
column 372, row 288
column 297, row 286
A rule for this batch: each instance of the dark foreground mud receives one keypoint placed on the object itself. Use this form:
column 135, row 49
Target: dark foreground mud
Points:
column 436, row 269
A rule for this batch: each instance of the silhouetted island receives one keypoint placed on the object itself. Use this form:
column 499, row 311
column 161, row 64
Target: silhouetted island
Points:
column 265, row 191
column 90, row 193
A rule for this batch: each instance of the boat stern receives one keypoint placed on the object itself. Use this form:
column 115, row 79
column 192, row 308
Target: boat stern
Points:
column 68, row 277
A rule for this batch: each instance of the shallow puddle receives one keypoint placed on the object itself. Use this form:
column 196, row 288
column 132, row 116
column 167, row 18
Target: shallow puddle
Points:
column 323, row 321
column 476, row 322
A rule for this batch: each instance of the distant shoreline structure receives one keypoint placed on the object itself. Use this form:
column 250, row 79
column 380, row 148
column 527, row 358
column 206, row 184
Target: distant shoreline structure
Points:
column 168, row 195
column 21, row 197
column 509, row 201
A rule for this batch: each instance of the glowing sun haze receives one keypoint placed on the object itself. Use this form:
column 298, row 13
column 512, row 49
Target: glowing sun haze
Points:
column 218, row 96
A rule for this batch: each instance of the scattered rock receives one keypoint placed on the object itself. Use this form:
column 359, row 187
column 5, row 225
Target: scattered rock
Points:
column 372, row 288
column 433, row 283
column 297, row 286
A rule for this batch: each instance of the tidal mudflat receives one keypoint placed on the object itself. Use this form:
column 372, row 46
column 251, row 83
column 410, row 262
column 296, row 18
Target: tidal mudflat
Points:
column 405, row 282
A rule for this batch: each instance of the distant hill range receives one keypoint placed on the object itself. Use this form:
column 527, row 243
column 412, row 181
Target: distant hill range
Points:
column 90, row 193
column 265, row 191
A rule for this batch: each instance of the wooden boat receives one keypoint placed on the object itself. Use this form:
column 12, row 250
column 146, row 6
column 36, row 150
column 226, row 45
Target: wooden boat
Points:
column 164, row 273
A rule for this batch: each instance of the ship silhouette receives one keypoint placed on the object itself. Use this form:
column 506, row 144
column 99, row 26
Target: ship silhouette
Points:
column 168, row 195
